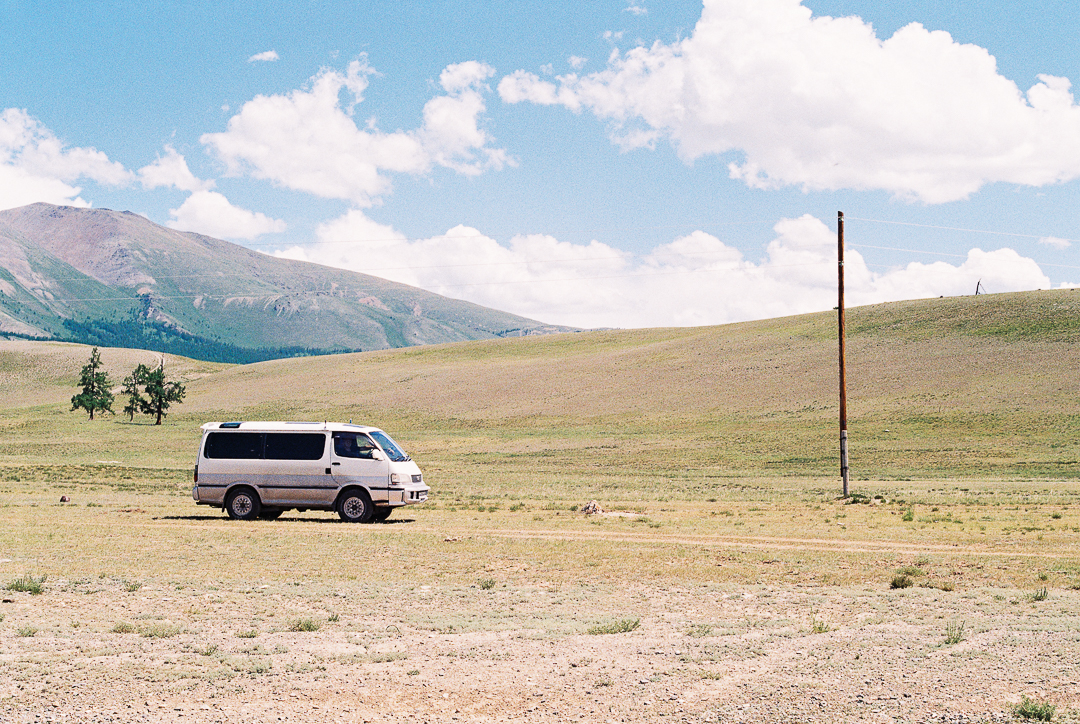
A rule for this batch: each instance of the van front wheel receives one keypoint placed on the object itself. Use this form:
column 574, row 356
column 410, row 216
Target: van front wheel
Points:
column 243, row 504
column 355, row 507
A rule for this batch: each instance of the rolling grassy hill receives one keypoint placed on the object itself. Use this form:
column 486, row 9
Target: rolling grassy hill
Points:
column 116, row 279
column 978, row 387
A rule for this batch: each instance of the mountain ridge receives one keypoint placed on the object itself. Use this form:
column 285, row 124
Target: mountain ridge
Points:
column 66, row 271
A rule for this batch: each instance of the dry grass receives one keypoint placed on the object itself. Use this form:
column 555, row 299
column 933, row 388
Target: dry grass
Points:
column 712, row 451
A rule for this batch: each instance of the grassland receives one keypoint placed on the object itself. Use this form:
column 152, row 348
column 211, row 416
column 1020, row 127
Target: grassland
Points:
column 712, row 451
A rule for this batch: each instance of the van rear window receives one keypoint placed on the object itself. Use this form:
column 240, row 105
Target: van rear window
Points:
column 294, row 446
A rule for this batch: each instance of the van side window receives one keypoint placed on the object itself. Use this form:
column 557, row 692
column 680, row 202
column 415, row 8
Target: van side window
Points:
column 234, row 445
column 352, row 445
column 294, row 446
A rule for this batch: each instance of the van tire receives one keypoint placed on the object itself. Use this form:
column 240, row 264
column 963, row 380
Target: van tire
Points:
column 243, row 504
column 354, row 506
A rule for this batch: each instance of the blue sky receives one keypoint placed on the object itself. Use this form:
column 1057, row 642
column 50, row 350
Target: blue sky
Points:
column 597, row 164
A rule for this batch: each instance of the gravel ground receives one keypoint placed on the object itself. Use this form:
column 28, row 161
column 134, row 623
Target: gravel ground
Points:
column 107, row 650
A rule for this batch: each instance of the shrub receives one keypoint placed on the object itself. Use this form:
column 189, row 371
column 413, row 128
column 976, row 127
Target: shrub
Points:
column 304, row 624
column 900, row 581
column 621, row 626
column 487, row 584
column 122, row 627
column 132, row 586
column 909, row 515
column 249, row 634
column 1036, row 710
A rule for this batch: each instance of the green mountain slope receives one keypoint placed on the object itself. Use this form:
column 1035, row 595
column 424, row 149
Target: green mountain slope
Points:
column 115, row 278
column 972, row 387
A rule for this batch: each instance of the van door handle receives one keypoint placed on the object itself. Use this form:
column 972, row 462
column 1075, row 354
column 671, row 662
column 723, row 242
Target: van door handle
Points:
column 335, row 463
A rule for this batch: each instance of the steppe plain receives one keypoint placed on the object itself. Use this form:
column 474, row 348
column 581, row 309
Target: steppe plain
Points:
column 725, row 581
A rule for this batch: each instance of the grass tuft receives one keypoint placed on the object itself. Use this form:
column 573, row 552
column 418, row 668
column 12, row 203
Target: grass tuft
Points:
column 26, row 583
column 1040, row 594
column 248, row 634
column 624, row 625
column 131, row 586
column 308, row 625
column 954, row 632
column 487, row 584
column 26, row 631
column 122, row 627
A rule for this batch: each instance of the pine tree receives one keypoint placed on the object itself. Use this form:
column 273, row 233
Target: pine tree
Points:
column 96, row 393
column 160, row 393
column 132, row 383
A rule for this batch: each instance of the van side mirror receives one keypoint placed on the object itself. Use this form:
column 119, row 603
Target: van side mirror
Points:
column 377, row 455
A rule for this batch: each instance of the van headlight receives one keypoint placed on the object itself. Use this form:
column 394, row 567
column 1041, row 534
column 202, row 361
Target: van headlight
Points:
column 395, row 478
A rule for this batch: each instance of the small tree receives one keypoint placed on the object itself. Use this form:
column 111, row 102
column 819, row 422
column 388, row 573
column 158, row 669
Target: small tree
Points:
column 95, row 384
column 132, row 383
column 160, row 393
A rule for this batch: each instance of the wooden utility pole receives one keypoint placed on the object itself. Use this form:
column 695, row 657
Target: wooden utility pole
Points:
column 843, row 372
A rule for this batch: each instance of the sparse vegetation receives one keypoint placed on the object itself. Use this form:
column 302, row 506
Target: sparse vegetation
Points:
column 161, row 630
column 26, row 631
column 247, row 634
column 901, row 580
column 954, row 632
column 27, row 583
column 305, row 625
column 624, row 625
column 1040, row 594
column 1034, row 710
column 486, row 584
column 131, row 586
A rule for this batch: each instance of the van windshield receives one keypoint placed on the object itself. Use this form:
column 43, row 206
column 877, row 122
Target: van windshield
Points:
column 390, row 447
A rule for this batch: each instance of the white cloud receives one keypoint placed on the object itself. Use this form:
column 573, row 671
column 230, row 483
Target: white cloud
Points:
column 1055, row 242
column 210, row 213
column 636, row 8
column 696, row 279
column 822, row 103
column 265, row 57
column 308, row 140
column 36, row 166
column 577, row 62
column 171, row 170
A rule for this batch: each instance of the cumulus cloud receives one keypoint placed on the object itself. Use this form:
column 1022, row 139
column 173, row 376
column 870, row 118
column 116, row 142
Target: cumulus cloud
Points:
column 36, row 166
column 636, row 8
column 822, row 103
column 265, row 57
column 693, row 280
column 210, row 213
column 171, row 171
column 308, row 140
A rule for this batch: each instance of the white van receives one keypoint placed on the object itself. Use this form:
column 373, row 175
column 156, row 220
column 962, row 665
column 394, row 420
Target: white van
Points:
column 261, row 469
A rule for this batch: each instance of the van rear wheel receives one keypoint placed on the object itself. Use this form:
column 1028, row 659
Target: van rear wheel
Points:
column 355, row 506
column 243, row 504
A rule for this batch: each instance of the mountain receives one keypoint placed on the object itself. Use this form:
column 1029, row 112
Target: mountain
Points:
column 115, row 278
